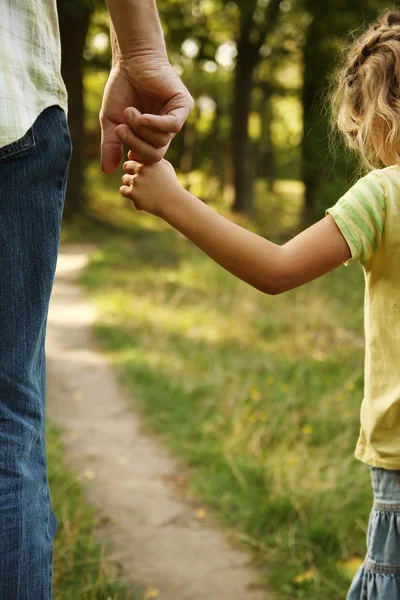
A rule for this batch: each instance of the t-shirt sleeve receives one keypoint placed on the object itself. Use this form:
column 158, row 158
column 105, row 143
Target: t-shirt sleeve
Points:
column 360, row 215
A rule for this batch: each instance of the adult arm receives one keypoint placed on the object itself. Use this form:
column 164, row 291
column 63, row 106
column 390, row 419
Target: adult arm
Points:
column 145, row 103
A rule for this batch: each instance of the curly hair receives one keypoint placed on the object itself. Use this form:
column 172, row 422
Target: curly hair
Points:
column 366, row 97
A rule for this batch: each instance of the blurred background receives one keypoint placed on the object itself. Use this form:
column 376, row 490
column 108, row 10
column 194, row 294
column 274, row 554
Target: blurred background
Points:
column 259, row 72
column 260, row 394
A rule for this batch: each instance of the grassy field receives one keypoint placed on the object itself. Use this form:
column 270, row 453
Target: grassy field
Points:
column 82, row 570
column 261, row 394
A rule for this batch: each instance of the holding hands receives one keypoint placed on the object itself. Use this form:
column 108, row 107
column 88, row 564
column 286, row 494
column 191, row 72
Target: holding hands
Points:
column 144, row 102
column 153, row 188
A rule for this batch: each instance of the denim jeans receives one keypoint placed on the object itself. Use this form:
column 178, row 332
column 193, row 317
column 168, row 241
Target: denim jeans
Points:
column 33, row 173
column 378, row 578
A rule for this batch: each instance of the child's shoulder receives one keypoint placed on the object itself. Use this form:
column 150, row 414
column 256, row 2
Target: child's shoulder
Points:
column 379, row 183
column 393, row 171
column 386, row 173
column 389, row 180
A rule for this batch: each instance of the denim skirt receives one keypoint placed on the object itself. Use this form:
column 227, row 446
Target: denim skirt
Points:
column 378, row 578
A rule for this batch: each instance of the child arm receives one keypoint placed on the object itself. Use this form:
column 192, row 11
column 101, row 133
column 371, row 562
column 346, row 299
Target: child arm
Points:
column 268, row 267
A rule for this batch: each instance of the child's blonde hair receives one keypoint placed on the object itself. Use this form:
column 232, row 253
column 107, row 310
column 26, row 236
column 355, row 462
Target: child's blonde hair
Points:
column 366, row 100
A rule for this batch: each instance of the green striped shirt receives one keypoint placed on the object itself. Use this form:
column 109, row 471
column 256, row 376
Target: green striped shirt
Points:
column 30, row 65
column 368, row 216
column 360, row 215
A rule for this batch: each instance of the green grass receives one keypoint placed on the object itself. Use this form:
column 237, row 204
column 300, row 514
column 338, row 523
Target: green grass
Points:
column 261, row 394
column 82, row 570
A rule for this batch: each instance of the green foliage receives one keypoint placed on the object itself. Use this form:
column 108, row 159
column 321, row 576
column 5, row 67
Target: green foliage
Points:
column 294, row 64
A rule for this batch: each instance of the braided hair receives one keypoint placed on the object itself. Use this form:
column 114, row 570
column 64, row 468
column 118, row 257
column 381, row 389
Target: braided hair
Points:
column 386, row 29
column 366, row 101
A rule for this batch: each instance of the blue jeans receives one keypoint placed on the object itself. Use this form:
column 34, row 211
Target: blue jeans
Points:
column 378, row 578
column 33, row 173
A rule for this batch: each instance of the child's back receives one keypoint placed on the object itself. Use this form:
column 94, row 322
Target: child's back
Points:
column 369, row 219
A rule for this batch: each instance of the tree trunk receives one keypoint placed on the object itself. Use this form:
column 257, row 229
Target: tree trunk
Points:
column 217, row 148
column 251, row 38
column 313, row 152
column 266, row 167
column 73, row 31
column 242, row 176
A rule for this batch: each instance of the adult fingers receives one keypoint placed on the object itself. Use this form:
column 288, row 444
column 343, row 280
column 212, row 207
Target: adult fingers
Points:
column 111, row 147
column 172, row 116
column 159, row 139
column 143, row 151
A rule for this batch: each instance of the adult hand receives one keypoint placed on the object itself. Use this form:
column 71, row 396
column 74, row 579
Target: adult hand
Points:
column 148, row 88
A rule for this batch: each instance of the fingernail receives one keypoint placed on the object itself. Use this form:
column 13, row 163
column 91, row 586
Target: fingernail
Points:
column 130, row 114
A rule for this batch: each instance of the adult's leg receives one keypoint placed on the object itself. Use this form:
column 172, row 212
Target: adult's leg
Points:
column 33, row 173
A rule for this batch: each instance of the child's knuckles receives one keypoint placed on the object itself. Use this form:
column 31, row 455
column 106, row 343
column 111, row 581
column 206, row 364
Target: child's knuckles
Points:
column 128, row 166
column 127, row 180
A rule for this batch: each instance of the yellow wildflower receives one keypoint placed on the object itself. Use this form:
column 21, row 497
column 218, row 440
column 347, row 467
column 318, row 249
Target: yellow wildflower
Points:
column 351, row 565
column 255, row 394
column 151, row 593
column 306, row 576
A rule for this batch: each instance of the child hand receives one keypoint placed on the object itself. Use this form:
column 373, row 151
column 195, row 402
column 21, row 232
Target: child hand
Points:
column 150, row 187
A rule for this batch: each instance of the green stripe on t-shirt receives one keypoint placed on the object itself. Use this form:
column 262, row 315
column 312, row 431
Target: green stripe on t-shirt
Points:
column 360, row 215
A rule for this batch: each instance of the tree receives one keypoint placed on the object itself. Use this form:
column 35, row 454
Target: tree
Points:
column 256, row 24
column 74, row 19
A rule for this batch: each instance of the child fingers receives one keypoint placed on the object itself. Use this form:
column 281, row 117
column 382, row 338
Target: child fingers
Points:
column 128, row 193
column 132, row 166
column 125, row 191
column 127, row 180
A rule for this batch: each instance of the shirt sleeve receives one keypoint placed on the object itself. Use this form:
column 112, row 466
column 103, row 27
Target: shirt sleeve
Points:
column 360, row 215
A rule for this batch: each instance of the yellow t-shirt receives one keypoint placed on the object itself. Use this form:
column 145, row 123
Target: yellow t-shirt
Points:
column 368, row 216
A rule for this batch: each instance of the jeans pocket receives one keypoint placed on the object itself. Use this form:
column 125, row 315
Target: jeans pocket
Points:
column 398, row 477
column 18, row 148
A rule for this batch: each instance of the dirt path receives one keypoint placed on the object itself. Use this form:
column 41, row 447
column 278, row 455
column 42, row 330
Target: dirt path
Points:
column 152, row 531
